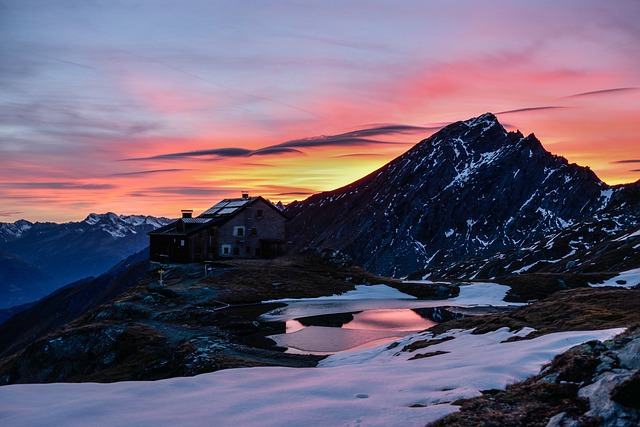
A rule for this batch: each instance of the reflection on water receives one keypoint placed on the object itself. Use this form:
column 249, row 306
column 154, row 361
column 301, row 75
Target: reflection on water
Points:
column 366, row 329
column 389, row 320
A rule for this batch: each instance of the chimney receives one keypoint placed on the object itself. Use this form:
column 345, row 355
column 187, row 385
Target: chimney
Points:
column 245, row 195
column 187, row 213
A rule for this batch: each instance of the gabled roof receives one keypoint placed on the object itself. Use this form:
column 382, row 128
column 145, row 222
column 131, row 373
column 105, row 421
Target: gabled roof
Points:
column 227, row 207
column 215, row 215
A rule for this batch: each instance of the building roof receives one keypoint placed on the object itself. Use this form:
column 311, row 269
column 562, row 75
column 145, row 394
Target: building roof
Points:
column 196, row 220
column 215, row 215
column 226, row 207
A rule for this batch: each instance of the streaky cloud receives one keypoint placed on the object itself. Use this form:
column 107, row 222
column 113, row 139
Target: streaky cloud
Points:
column 604, row 92
column 10, row 213
column 627, row 161
column 57, row 186
column 149, row 172
column 358, row 155
column 354, row 138
column 529, row 109
column 391, row 129
column 184, row 191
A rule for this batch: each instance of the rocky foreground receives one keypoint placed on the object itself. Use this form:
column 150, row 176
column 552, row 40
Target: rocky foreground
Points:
column 595, row 384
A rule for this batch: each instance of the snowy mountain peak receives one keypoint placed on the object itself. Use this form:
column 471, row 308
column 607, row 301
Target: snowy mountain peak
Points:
column 121, row 225
column 485, row 121
column 470, row 189
column 12, row 231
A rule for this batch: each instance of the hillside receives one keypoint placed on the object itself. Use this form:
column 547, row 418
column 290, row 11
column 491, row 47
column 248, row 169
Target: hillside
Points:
column 469, row 191
column 37, row 258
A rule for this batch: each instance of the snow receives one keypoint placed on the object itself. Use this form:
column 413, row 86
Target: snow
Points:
column 373, row 387
column 605, row 195
column 380, row 297
column 630, row 278
column 626, row 236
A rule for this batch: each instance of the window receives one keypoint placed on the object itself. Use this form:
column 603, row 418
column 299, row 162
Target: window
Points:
column 238, row 231
column 259, row 213
column 225, row 250
column 254, row 231
column 236, row 251
column 181, row 242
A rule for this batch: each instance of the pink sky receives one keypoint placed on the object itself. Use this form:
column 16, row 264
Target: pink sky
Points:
column 103, row 102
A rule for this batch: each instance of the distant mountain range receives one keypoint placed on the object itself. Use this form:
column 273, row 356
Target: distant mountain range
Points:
column 37, row 258
column 459, row 201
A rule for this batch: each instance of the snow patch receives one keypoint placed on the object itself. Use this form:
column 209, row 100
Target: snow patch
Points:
column 372, row 387
column 625, row 279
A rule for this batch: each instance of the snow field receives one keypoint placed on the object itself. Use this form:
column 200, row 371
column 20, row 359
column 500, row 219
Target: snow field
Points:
column 372, row 387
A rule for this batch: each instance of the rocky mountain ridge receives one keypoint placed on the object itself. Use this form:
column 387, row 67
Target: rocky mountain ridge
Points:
column 470, row 190
column 36, row 258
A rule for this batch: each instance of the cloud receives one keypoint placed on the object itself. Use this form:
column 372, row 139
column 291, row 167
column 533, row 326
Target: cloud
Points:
column 627, row 161
column 220, row 152
column 149, row 172
column 604, row 92
column 348, row 139
column 359, row 155
column 57, row 186
column 186, row 191
column 10, row 213
column 529, row 109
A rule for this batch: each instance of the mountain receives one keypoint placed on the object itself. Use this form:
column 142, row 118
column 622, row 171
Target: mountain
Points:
column 605, row 242
column 36, row 258
column 470, row 190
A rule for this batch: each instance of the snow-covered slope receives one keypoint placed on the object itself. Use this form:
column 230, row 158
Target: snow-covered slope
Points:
column 380, row 386
column 471, row 189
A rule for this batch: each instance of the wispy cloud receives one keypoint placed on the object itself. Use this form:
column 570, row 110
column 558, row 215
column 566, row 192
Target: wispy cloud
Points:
column 10, row 213
column 57, row 186
column 604, row 92
column 627, row 161
column 220, row 152
column 348, row 139
column 529, row 109
column 149, row 172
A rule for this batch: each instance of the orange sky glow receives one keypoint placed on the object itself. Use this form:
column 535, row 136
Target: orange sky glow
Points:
column 154, row 108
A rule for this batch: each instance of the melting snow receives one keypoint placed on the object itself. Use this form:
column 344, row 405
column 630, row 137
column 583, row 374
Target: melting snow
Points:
column 373, row 387
column 625, row 279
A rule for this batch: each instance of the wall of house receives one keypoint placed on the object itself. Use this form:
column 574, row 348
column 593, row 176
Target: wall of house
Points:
column 169, row 248
column 257, row 222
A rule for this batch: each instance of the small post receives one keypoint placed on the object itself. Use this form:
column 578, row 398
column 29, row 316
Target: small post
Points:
column 161, row 271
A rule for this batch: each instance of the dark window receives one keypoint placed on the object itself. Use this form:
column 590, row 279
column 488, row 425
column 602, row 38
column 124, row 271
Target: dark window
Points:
column 258, row 252
column 259, row 213
column 236, row 251
column 254, row 231
column 239, row 231
column 247, row 250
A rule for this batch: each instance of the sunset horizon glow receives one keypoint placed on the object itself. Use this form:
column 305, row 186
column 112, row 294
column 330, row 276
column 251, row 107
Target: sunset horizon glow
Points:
column 150, row 107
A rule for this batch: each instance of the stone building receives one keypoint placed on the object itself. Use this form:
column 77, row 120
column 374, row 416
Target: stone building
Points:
column 247, row 227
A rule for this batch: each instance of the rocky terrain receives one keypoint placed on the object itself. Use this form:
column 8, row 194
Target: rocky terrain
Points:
column 594, row 384
column 141, row 329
